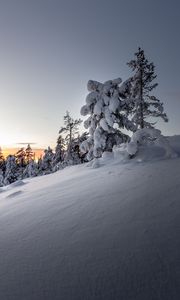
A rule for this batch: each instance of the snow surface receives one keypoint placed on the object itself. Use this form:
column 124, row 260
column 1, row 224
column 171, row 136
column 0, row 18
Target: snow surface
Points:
column 109, row 232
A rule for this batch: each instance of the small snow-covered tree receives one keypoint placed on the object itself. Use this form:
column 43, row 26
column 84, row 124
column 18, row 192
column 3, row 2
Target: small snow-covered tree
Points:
column 47, row 161
column 31, row 170
column 70, row 130
column 59, row 150
column 107, row 105
column 21, row 157
column 29, row 154
column 145, row 104
column 76, row 155
column 40, row 166
column 21, row 162
column 11, row 174
column 82, row 138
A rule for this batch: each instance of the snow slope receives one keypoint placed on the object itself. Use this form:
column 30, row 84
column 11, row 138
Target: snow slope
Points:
column 94, row 233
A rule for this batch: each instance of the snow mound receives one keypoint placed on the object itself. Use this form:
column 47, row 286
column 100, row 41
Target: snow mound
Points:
column 146, row 145
column 11, row 186
column 18, row 183
column 14, row 194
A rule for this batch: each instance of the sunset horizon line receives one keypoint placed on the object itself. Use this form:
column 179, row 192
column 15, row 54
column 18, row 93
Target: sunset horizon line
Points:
column 39, row 151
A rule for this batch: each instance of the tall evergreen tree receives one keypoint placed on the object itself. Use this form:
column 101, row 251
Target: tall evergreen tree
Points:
column 70, row 130
column 145, row 104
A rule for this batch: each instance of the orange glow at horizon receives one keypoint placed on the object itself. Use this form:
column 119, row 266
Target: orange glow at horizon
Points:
column 7, row 151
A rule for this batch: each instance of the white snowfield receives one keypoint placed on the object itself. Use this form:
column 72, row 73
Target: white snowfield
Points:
column 84, row 233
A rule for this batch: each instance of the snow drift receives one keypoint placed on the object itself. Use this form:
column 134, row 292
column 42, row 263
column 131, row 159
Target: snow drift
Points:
column 94, row 233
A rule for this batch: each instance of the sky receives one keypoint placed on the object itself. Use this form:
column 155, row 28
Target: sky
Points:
column 49, row 49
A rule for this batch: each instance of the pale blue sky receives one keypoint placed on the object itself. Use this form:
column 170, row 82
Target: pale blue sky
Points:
column 49, row 49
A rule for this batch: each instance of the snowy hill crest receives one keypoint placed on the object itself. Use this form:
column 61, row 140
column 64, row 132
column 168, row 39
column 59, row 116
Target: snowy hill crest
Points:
column 104, row 233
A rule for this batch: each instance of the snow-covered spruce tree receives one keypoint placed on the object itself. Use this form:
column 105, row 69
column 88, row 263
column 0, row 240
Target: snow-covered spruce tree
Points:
column 47, row 161
column 145, row 104
column 21, row 162
column 59, row 150
column 108, row 107
column 29, row 154
column 11, row 173
column 77, row 156
column 81, row 138
column 70, row 130
column 31, row 169
column 21, row 157
column 40, row 166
